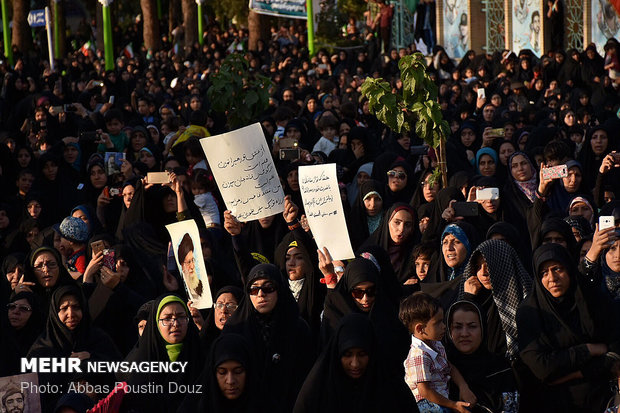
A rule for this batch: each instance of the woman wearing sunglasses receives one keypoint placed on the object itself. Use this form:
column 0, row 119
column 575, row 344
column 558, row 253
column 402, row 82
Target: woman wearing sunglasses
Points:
column 400, row 184
column 362, row 290
column 268, row 318
column 25, row 322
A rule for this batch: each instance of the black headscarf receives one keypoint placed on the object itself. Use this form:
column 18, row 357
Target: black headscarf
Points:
column 312, row 294
column 564, row 229
column 405, row 194
column 226, row 347
column 328, row 389
column 45, row 294
column 358, row 221
column 488, row 375
column 280, row 340
column 383, row 314
column 209, row 332
column 399, row 253
column 553, row 333
column 18, row 342
column 261, row 240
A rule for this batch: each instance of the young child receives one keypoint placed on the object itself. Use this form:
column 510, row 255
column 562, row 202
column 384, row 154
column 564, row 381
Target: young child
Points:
column 73, row 239
column 421, row 256
column 115, row 140
column 202, row 187
column 427, row 370
column 327, row 125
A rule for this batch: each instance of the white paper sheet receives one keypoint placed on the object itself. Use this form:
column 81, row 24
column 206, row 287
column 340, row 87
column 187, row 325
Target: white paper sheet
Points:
column 321, row 198
column 245, row 173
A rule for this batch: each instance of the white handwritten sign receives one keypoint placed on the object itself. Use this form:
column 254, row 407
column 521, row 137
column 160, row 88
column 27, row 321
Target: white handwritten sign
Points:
column 321, row 197
column 245, row 173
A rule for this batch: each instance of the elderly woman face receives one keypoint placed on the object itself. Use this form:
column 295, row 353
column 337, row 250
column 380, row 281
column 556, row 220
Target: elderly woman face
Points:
column 555, row 278
column 70, row 311
column 487, row 165
column 224, row 307
column 46, row 269
column 19, row 312
column 581, row 209
column 173, row 322
column 572, row 181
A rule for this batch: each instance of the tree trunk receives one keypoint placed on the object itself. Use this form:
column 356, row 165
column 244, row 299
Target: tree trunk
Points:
column 173, row 15
column 22, row 36
column 99, row 40
column 190, row 22
column 258, row 27
column 62, row 26
column 150, row 28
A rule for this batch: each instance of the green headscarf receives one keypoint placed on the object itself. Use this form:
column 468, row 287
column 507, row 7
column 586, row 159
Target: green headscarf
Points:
column 173, row 349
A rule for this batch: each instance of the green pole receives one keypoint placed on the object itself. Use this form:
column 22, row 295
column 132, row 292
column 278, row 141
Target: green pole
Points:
column 310, row 24
column 56, row 31
column 107, row 38
column 8, row 49
column 159, row 13
column 201, row 39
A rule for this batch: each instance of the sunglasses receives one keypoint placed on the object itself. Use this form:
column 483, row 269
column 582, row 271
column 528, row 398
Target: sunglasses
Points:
column 397, row 174
column 21, row 308
column 266, row 289
column 359, row 293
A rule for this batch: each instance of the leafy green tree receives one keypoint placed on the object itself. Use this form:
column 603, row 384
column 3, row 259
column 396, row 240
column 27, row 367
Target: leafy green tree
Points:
column 241, row 95
column 416, row 109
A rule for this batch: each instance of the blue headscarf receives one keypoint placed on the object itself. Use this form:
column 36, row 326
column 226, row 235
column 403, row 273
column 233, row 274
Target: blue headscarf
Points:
column 485, row 151
column 458, row 233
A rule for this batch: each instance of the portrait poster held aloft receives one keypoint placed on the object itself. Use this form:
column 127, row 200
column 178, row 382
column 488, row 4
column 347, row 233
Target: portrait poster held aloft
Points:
column 19, row 394
column 188, row 255
column 245, row 173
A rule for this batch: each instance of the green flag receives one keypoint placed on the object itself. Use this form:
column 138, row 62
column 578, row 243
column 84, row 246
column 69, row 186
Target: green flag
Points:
column 412, row 5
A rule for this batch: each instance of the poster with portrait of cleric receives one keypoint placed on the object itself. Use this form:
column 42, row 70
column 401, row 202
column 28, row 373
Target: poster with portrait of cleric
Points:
column 16, row 395
column 605, row 23
column 527, row 26
column 455, row 28
column 190, row 262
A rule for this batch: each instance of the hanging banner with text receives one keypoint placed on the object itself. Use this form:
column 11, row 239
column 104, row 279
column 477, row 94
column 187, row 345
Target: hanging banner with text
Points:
column 293, row 9
column 245, row 173
column 323, row 206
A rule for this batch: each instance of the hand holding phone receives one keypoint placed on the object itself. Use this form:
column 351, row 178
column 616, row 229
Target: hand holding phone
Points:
column 158, row 177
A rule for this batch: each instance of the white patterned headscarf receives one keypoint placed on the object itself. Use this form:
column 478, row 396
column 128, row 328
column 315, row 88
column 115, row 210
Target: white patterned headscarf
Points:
column 510, row 281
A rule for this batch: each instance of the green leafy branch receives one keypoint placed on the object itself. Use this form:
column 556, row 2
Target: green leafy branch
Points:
column 416, row 109
column 243, row 96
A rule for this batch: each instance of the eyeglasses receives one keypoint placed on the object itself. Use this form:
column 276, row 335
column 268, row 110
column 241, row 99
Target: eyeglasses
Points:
column 188, row 262
column 229, row 307
column 266, row 289
column 167, row 322
column 51, row 265
column 397, row 174
column 21, row 308
column 359, row 293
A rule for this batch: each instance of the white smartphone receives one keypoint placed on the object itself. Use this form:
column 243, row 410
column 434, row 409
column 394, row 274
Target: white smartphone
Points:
column 481, row 93
column 606, row 221
column 487, row 194
column 158, row 177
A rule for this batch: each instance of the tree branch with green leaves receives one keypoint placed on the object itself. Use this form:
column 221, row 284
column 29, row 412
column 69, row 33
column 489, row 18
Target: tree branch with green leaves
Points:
column 416, row 109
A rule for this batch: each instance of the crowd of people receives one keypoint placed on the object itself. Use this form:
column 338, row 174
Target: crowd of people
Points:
column 499, row 292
